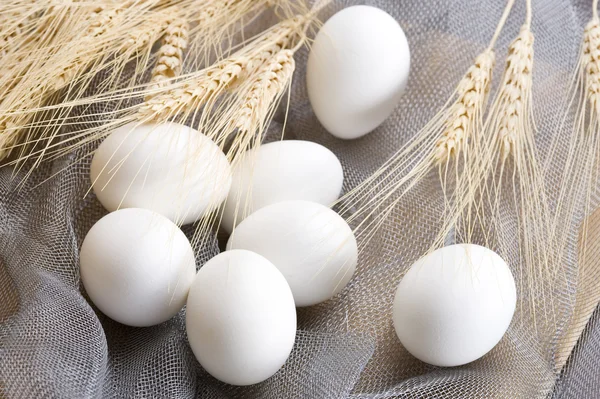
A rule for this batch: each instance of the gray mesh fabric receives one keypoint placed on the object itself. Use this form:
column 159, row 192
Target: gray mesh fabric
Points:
column 55, row 344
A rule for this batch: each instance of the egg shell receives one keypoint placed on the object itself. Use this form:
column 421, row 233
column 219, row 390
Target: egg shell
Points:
column 357, row 70
column 309, row 243
column 281, row 171
column 240, row 318
column 168, row 168
column 454, row 305
column 137, row 266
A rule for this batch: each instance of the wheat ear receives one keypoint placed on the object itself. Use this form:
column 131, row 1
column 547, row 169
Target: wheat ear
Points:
column 170, row 55
column 18, row 108
column 243, row 128
column 579, row 174
column 191, row 95
column 516, row 179
column 260, row 101
column 471, row 93
column 100, row 49
column 206, row 85
column 579, row 171
column 449, row 142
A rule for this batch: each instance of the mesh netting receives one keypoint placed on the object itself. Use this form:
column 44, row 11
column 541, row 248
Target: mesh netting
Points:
column 54, row 343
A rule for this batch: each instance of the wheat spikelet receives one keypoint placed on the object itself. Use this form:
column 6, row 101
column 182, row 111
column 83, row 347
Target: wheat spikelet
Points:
column 516, row 94
column 170, row 54
column 591, row 63
column 269, row 84
column 472, row 94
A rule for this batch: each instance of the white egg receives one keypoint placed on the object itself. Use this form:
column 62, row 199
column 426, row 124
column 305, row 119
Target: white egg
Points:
column 454, row 305
column 137, row 266
column 281, row 171
column 309, row 243
column 169, row 168
column 357, row 70
column 240, row 318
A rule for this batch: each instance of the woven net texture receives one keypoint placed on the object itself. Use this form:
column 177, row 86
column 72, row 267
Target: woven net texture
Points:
column 55, row 344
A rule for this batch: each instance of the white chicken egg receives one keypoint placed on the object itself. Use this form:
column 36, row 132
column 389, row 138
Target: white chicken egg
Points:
column 281, row 171
column 454, row 305
column 137, row 266
column 309, row 243
column 168, row 168
column 357, row 70
column 240, row 318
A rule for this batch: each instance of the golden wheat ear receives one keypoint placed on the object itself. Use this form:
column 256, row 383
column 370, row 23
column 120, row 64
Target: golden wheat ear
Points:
column 246, row 125
column 170, row 55
column 579, row 174
column 516, row 187
column 117, row 35
column 70, row 60
column 449, row 142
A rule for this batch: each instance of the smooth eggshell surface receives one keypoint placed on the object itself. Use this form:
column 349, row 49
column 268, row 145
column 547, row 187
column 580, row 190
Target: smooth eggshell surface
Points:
column 137, row 266
column 454, row 305
column 240, row 318
column 169, row 168
column 281, row 171
column 357, row 70
column 309, row 243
